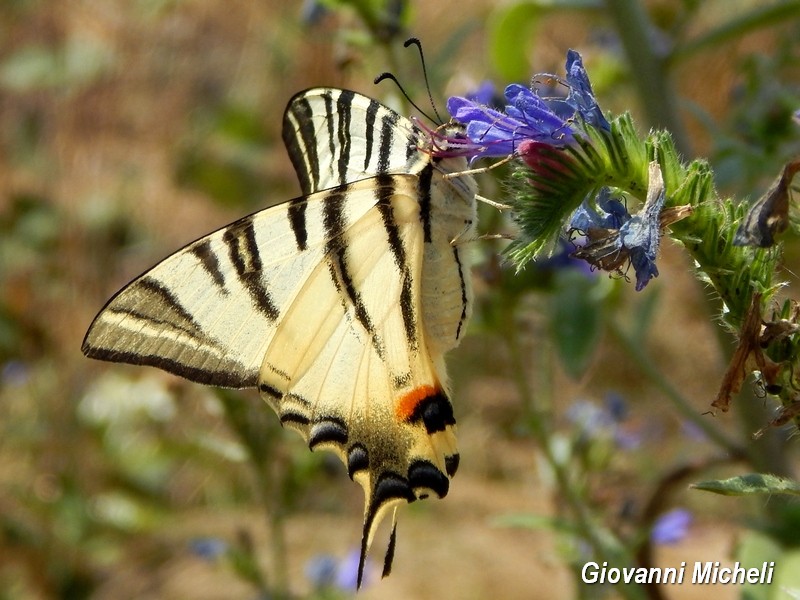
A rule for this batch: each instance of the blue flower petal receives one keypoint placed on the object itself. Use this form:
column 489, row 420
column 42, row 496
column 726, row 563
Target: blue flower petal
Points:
column 208, row 548
column 642, row 234
column 581, row 97
column 671, row 527
column 612, row 213
column 347, row 574
column 527, row 116
column 321, row 570
column 485, row 93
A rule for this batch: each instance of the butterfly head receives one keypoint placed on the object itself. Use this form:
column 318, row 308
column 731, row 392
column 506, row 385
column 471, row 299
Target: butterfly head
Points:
column 448, row 140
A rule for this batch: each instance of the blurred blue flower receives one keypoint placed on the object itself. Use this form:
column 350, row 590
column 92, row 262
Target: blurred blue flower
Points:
column 528, row 117
column 312, row 12
column 14, row 373
column 671, row 527
column 608, row 422
column 209, row 548
column 325, row 571
column 347, row 573
column 693, row 431
column 321, row 570
column 616, row 406
column 590, row 420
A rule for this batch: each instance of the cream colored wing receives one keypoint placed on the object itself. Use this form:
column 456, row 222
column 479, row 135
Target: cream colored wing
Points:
column 330, row 333
column 337, row 136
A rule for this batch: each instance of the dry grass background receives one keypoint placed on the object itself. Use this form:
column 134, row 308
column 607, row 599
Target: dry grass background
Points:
column 105, row 157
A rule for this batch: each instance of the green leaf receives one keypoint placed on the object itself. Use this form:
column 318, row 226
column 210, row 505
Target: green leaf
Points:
column 753, row 550
column 752, row 483
column 511, row 31
column 576, row 318
column 787, row 573
column 508, row 31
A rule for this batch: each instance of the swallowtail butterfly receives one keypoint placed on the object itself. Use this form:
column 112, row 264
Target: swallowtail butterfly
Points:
column 338, row 305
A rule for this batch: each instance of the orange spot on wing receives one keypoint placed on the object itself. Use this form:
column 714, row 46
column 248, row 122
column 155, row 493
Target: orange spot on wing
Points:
column 406, row 404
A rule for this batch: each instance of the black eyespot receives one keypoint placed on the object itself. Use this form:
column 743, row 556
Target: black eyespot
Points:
column 357, row 459
column 423, row 474
column 435, row 412
column 330, row 430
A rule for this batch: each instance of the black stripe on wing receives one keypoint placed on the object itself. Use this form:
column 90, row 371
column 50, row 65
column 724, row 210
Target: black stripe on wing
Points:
column 371, row 115
column 297, row 221
column 337, row 257
column 424, row 197
column 226, row 378
column 210, row 263
column 388, row 134
column 240, row 238
column 301, row 143
column 464, row 300
column 386, row 191
column 343, row 116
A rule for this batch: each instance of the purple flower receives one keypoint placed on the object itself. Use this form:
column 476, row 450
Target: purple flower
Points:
column 581, row 97
column 562, row 259
column 528, row 117
column 611, row 213
column 321, row 571
column 209, row 548
column 615, row 238
column 485, row 93
column 641, row 237
column 326, row 571
column 347, row 573
column 671, row 527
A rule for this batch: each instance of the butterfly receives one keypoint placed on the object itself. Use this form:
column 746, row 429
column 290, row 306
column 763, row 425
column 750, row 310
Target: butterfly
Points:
column 338, row 305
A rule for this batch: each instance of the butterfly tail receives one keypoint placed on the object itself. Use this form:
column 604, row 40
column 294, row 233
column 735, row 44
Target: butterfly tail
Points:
column 376, row 511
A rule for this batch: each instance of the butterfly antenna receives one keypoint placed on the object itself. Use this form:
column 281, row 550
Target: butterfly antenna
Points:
column 418, row 44
column 390, row 76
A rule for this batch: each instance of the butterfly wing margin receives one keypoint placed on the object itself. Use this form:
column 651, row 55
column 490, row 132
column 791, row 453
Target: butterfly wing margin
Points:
column 338, row 136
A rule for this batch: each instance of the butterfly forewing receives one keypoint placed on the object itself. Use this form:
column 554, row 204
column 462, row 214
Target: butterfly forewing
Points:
column 338, row 305
column 208, row 311
column 336, row 137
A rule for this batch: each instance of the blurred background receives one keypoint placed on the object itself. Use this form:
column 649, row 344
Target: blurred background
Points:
column 131, row 127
